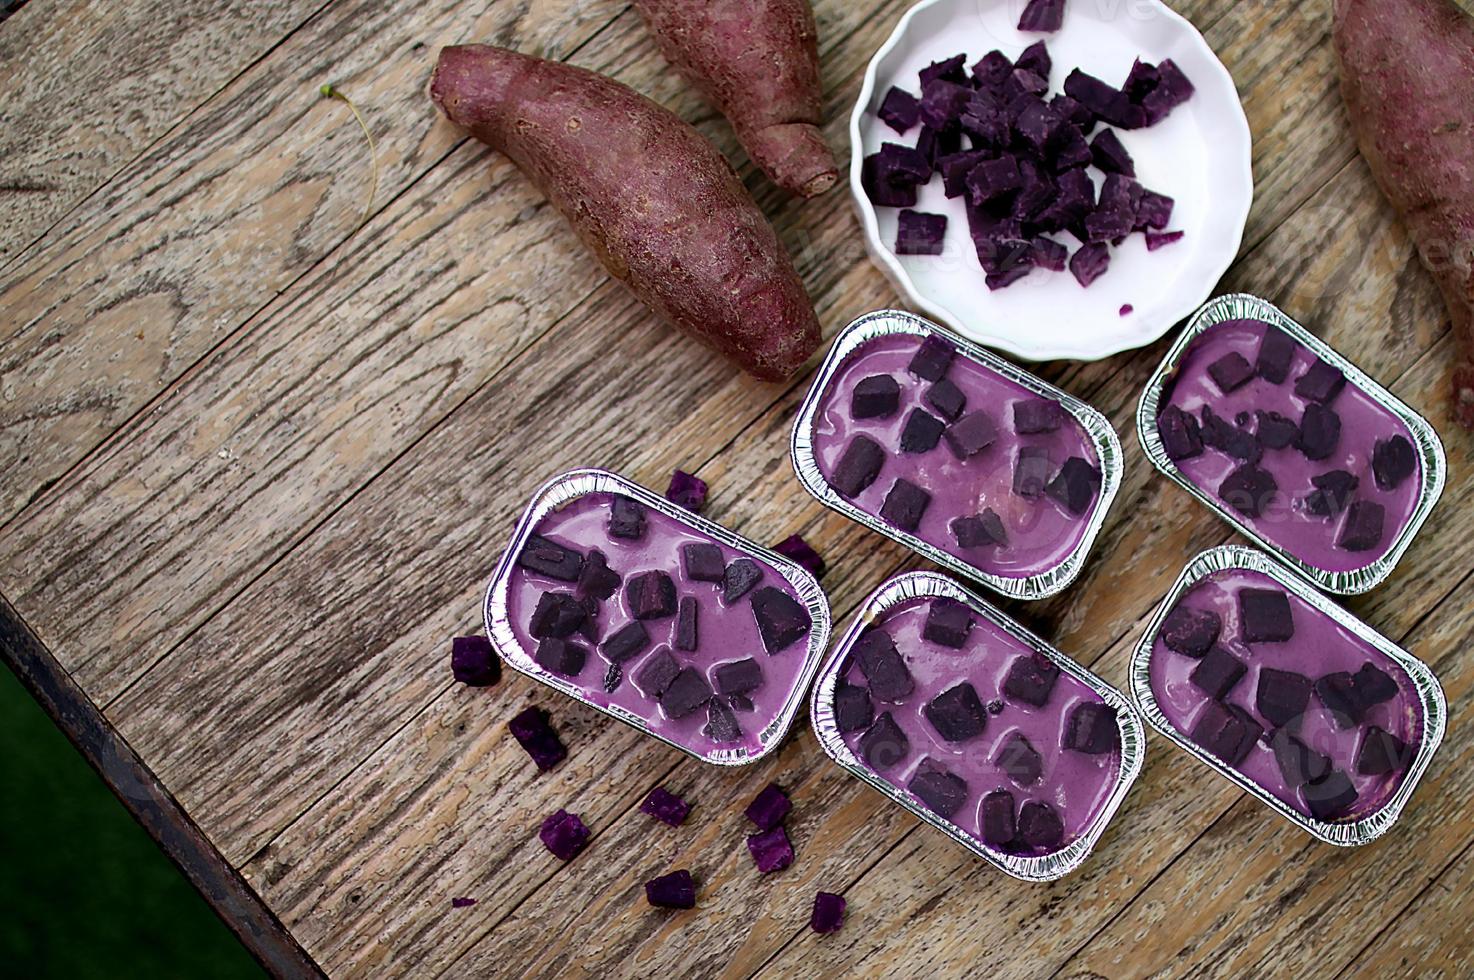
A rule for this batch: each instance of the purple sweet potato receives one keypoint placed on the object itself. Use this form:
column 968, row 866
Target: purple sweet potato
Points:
column 1407, row 73
column 660, row 207
column 758, row 62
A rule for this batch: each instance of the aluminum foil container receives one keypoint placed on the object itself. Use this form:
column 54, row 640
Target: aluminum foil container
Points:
column 1241, row 306
column 927, row 585
column 560, row 491
column 1103, row 438
column 1430, row 694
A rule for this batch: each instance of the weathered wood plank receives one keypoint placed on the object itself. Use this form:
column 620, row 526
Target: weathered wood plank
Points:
column 89, row 85
column 208, row 226
column 1434, row 938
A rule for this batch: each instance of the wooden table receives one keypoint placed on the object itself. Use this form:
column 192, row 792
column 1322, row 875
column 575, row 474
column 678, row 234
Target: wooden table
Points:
column 260, row 459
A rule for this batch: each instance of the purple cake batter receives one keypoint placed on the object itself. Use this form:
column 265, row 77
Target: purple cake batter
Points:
column 726, row 633
column 1075, row 784
column 1285, row 519
column 1040, row 531
column 1318, row 647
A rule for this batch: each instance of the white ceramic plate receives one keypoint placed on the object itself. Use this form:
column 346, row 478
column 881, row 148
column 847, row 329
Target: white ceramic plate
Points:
column 1199, row 155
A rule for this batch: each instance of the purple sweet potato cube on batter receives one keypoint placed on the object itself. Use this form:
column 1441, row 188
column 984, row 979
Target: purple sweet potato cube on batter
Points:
column 666, row 807
column 1276, row 431
column 739, row 579
column 941, row 791
column 900, row 110
column 1230, row 438
column 1019, row 760
column 971, row 434
column 979, row 530
column 1320, row 432
column 1393, row 460
column 1265, row 616
column 1039, row 826
column 1276, row 351
column 875, row 397
column 1381, row 752
column 676, row 890
column 626, row 519
column 1180, row 433
column 702, row 561
column 1075, row 485
column 858, row 467
column 1030, row 679
column 687, row 636
column 1227, row 731
column 550, row 558
column 1337, row 692
column 1373, row 685
column 657, row 673
column 651, row 595
column 564, row 834
column 721, row 725
column 1298, row 762
column 1190, row 632
column 1031, row 471
column 852, row 708
column 828, row 913
column 1363, row 528
column 1250, row 489
column 771, row 850
column 1217, row 673
column 1231, row 371
column 473, row 661
column 686, row 692
column 596, row 580
column 1329, row 798
column 1282, row 696
column 628, row 641
column 922, row 432
column 561, row 656
column 1091, row 728
column 998, row 818
column 1321, row 383
column 947, row 623
column 883, row 667
column 738, row 676
column 884, row 744
column 947, row 399
column 956, row 713
column 781, row 619
column 904, row 505
column 1332, row 493
column 536, row 736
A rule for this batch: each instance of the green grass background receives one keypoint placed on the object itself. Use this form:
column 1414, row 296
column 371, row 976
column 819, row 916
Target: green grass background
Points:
column 84, row 891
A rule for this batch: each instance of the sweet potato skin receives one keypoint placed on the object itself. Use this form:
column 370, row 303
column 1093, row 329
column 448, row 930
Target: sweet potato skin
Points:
column 758, row 62
column 1407, row 74
column 660, row 207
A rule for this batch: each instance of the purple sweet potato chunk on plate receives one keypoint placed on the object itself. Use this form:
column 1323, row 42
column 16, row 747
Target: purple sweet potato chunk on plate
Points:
column 920, row 233
column 768, row 809
column 666, row 807
column 1022, row 82
column 883, row 193
column 942, row 103
column 564, row 834
column 985, row 119
column 900, row 110
column 1049, row 254
column 1069, row 152
column 771, row 850
column 1172, row 90
column 473, row 661
column 1156, row 240
column 1140, row 81
column 992, row 69
column 828, row 914
column 676, row 890
column 900, row 164
column 1153, row 210
column 992, row 179
column 948, row 69
column 1079, row 116
column 1042, row 16
column 1109, row 155
column 1090, row 262
column 1035, row 58
column 531, row 730
column 1105, row 101
column 940, row 791
column 796, row 549
column 686, row 491
column 954, row 169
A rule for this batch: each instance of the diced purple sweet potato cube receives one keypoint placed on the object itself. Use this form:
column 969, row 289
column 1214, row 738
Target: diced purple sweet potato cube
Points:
column 992, row 69
column 954, row 169
column 1022, row 82
column 686, row 491
column 1321, row 383
column 1298, row 762
column 686, row 692
column 1329, row 798
column 1156, row 240
column 991, row 179
column 1337, row 692
column 1362, row 530
column 922, row 431
column 1074, row 487
column 1038, row 125
column 687, row 636
column 1320, row 432
column 1069, row 153
column 561, row 656
column 1037, row 195
column 1033, row 416
column 795, row 548
column 550, row 558
column 1265, row 616
column 1231, row 371
column 1248, row 490
column 1092, row 729
column 1031, row 679
column 1282, row 696
column 742, row 574
column 948, row 622
column 1049, row 254
column 1190, row 632
column 1109, row 155
column 1031, row 472
column 703, row 561
column 657, row 673
column 1172, row 90
column 1005, row 261
column 852, row 708
column 1181, row 436
column 1373, row 685
column 948, row 69
column 666, row 807
column 880, row 190
column 1393, row 460
column 1109, row 224
column 936, row 144
column 978, row 530
column 626, row 642
column 919, row 233
column 1226, row 731
column 875, row 397
column 738, row 676
column 858, row 467
column 473, row 661
column 1042, row 16
column 596, row 579
column 651, row 595
column 721, row 725
column 1002, row 280
column 1275, row 431
column 1019, row 760
column 673, row 891
column 1105, row 101
column 1140, row 81
column 564, row 834
column 932, row 358
column 828, row 914
column 1078, row 115
column 1090, row 262
column 1217, row 673
column 883, row 666
column 970, row 435
column 942, row 103
column 940, row 791
column 900, row 110
column 531, row 730
column 985, row 119
column 781, row 619
column 626, row 518
column 1332, row 493
column 771, row 850
column 904, row 505
column 1039, row 826
column 1153, row 211
column 1035, row 58
column 901, row 165
column 884, row 744
column 1221, row 434
column 947, row 399
column 1381, row 752
column 741, row 702
column 997, row 816
column 956, row 713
